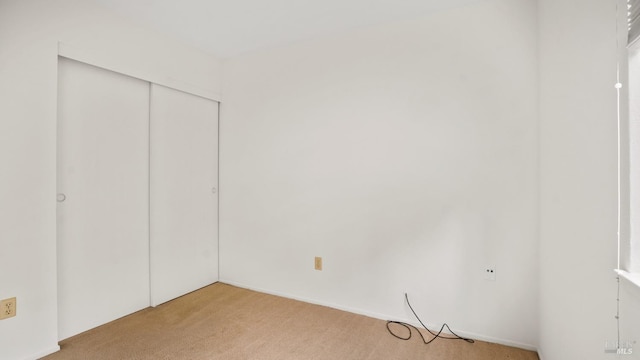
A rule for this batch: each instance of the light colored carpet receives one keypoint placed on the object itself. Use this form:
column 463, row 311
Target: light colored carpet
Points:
column 226, row 322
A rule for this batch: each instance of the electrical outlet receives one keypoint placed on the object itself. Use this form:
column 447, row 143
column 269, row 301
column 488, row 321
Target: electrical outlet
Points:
column 490, row 274
column 7, row 308
column 318, row 263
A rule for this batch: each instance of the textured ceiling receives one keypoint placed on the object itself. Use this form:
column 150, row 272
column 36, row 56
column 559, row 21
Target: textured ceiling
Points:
column 230, row 27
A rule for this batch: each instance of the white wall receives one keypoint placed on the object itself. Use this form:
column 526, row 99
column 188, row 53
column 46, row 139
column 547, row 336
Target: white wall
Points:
column 578, row 183
column 405, row 155
column 29, row 34
column 630, row 294
column 630, row 258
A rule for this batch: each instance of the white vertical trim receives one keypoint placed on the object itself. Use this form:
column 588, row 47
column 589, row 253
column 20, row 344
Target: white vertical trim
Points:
column 218, row 193
column 151, row 287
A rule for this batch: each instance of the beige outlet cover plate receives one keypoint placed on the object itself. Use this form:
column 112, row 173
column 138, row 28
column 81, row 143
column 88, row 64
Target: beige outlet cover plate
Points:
column 7, row 308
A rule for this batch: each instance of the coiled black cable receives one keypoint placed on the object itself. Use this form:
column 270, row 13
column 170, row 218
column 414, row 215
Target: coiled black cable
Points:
column 435, row 335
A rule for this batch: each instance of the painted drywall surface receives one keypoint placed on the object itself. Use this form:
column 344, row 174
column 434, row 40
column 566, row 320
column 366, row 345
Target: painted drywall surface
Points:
column 578, row 186
column 405, row 156
column 29, row 35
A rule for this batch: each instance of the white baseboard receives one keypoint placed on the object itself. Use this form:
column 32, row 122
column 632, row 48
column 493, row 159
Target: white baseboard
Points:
column 540, row 357
column 386, row 317
column 43, row 353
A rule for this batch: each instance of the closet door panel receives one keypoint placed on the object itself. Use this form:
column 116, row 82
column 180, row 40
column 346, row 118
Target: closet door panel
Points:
column 184, row 180
column 103, row 200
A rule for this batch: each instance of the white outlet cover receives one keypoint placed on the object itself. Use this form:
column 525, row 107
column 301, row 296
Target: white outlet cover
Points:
column 490, row 274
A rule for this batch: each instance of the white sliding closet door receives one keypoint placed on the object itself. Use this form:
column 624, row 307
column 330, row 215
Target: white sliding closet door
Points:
column 103, row 200
column 184, row 205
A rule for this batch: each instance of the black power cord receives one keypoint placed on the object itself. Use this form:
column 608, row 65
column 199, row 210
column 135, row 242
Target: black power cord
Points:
column 435, row 335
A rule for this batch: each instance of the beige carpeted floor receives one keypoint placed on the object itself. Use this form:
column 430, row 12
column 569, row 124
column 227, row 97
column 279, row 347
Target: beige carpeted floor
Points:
column 225, row 322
